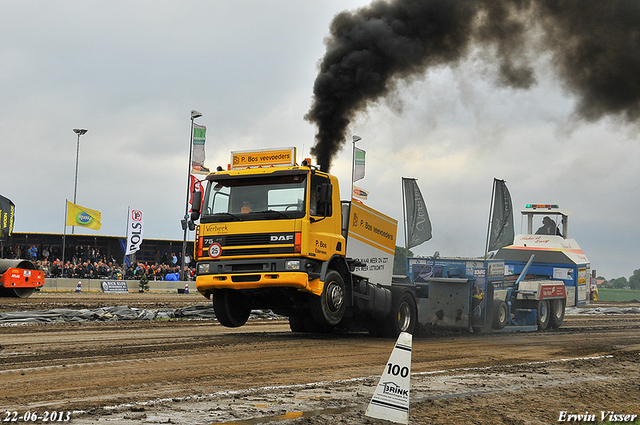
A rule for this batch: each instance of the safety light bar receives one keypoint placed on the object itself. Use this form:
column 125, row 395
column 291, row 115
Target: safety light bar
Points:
column 549, row 206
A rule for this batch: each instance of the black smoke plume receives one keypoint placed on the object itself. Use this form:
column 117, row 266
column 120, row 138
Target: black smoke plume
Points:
column 594, row 46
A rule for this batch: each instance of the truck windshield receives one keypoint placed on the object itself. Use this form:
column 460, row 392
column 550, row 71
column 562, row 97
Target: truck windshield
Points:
column 254, row 198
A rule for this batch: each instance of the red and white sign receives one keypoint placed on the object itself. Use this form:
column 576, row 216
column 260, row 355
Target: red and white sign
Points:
column 215, row 250
column 555, row 291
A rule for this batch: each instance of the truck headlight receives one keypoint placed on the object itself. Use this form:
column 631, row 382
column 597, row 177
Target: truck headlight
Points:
column 203, row 268
column 292, row 265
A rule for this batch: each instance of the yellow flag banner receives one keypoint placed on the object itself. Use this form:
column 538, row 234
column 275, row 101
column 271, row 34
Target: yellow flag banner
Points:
column 83, row 217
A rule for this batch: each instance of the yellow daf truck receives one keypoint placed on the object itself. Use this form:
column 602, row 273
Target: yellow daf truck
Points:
column 274, row 235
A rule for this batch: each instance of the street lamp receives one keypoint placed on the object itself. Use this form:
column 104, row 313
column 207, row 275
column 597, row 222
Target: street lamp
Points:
column 185, row 227
column 79, row 132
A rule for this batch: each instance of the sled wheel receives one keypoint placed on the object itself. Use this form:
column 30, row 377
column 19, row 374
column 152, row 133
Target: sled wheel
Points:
column 500, row 314
column 543, row 314
column 230, row 307
column 556, row 313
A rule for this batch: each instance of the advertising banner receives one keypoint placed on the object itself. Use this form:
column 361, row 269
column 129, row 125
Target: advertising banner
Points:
column 360, row 193
column 118, row 286
column 371, row 241
column 502, row 232
column 263, row 158
column 83, row 217
column 7, row 211
column 358, row 164
column 479, row 301
column 198, row 154
column 418, row 223
column 135, row 231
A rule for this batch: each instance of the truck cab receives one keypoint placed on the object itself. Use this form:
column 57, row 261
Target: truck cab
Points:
column 268, row 236
column 546, row 235
column 274, row 235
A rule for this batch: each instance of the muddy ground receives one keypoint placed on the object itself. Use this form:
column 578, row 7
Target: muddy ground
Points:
column 198, row 372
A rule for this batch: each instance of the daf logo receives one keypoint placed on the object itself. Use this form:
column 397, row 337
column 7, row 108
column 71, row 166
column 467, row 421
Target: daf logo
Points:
column 281, row 238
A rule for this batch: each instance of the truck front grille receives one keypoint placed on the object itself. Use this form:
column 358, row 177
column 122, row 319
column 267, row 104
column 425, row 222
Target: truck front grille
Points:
column 250, row 245
column 245, row 278
column 242, row 240
column 256, row 251
column 257, row 267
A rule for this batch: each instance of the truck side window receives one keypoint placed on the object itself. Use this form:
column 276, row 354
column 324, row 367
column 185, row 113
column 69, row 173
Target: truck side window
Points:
column 317, row 205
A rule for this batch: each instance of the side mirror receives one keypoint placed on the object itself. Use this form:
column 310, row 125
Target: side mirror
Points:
column 324, row 200
column 325, row 193
column 196, row 205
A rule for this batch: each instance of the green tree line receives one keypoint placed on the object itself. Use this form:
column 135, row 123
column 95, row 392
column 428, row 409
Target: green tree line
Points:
column 622, row 282
column 400, row 261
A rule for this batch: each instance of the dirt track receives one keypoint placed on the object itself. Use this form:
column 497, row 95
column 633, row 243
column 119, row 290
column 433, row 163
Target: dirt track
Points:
column 197, row 372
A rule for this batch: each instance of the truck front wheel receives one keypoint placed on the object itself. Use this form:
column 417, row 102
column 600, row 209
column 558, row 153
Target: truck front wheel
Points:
column 296, row 323
column 230, row 308
column 543, row 314
column 328, row 308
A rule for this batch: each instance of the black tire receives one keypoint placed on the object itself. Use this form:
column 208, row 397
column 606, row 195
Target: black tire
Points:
column 296, row 323
column 403, row 317
column 328, row 309
column 230, row 307
column 543, row 314
column 500, row 314
column 374, row 328
column 556, row 313
column 16, row 292
column 312, row 326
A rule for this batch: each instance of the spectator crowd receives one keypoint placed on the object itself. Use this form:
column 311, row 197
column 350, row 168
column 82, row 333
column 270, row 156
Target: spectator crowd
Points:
column 90, row 263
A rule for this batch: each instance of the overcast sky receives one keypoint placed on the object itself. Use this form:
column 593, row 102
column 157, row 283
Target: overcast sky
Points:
column 131, row 72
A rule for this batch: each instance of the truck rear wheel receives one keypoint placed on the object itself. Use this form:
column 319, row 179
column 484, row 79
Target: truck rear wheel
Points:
column 556, row 313
column 404, row 315
column 329, row 307
column 230, row 308
column 543, row 314
column 500, row 314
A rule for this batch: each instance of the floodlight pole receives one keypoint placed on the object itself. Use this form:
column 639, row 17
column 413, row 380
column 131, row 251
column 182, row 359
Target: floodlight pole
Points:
column 194, row 115
column 79, row 132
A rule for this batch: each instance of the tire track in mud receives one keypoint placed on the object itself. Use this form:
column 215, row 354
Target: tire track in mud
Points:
column 349, row 398
column 158, row 370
